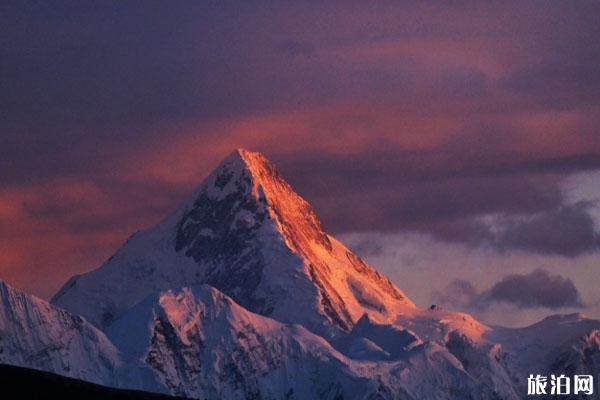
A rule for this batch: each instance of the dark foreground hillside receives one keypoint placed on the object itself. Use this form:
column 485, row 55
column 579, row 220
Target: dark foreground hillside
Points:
column 24, row 384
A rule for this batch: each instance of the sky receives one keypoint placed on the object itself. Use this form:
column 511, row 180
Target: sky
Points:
column 453, row 145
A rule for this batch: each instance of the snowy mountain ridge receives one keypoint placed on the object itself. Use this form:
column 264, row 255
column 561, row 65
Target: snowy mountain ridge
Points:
column 240, row 294
column 198, row 342
column 38, row 335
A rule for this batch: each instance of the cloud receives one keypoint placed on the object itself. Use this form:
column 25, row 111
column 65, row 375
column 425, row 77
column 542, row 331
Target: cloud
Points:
column 508, row 204
column 532, row 290
column 537, row 289
column 568, row 231
column 48, row 233
column 424, row 268
column 395, row 117
column 565, row 76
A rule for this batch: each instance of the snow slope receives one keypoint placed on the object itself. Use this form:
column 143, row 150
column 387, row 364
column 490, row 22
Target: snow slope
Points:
column 204, row 345
column 38, row 335
column 198, row 342
column 35, row 334
column 247, row 233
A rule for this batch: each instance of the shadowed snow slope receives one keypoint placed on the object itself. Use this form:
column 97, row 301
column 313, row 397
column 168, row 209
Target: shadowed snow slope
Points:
column 247, row 233
column 35, row 334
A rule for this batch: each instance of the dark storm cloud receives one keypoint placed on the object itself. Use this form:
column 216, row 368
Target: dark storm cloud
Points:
column 558, row 85
column 566, row 74
column 130, row 206
column 432, row 186
column 535, row 289
column 464, row 83
column 81, row 82
column 567, row 231
column 117, row 62
column 442, row 194
column 388, row 116
column 385, row 163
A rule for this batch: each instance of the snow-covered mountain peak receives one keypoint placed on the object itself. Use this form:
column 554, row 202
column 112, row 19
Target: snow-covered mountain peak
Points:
column 240, row 293
column 247, row 233
column 251, row 180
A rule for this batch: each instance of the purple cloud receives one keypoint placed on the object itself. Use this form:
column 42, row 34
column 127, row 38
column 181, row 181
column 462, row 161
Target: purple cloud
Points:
column 533, row 290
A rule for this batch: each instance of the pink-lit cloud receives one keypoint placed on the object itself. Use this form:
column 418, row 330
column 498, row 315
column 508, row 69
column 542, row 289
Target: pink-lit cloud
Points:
column 414, row 117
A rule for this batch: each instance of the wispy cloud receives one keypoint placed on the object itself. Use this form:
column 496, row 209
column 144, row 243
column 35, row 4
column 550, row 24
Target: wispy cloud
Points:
column 415, row 117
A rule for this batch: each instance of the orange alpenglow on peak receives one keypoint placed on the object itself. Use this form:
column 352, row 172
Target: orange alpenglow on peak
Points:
column 247, row 233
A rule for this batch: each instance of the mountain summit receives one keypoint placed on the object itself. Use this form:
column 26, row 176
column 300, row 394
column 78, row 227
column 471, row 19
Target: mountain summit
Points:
column 240, row 294
column 247, row 233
